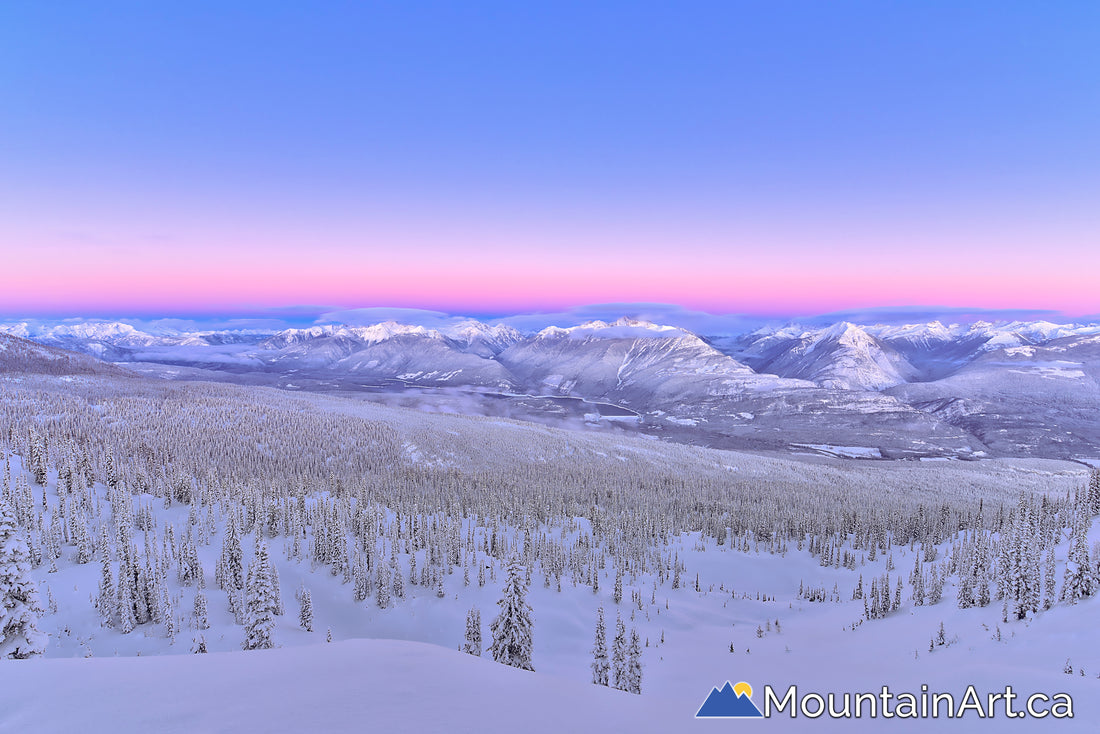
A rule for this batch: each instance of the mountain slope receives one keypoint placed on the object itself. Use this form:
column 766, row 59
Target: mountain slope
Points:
column 636, row 363
column 19, row 355
column 841, row 357
column 392, row 351
column 1023, row 400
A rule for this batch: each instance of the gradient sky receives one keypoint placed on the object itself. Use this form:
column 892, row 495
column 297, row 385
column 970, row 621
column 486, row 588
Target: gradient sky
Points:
column 731, row 157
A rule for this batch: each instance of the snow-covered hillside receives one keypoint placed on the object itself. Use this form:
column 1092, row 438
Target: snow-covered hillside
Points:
column 832, row 576
column 22, row 356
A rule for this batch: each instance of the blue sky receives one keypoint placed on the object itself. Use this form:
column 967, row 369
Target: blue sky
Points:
column 727, row 156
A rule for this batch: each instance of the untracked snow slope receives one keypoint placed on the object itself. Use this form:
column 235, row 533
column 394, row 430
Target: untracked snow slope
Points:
column 353, row 686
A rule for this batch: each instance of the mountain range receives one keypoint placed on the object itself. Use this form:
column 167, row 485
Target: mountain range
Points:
column 924, row 390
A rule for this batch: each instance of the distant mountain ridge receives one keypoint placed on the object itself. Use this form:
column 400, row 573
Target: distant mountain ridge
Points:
column 929, row 388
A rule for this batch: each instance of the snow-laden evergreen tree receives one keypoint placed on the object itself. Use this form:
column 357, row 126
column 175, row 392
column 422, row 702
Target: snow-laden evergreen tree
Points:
column 198, row 615
column 472, row 645
column 398, row 579
column 81, row 539
column 260, row 604
column 1080, row 579
column 19, row 607
column 600, row 665
column 168, row 614
column 127, row 619
column 618, row 656
column 277, row 591
column 1020, row 547
column 37, row 461
column 935, row 584
column 512, row 628
column 305, row 610
column 918, row 584
column 1049, row 580
column 105, row 602
column 383, row 586
column 231, row 564
column 633, row 671
column 982, row 569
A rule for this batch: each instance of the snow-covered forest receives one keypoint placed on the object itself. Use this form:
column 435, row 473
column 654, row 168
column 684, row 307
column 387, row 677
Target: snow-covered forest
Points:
column 157, row 518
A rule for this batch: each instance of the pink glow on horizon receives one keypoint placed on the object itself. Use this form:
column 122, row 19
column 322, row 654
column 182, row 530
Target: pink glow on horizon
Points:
column 463, row 267
column 766, row 287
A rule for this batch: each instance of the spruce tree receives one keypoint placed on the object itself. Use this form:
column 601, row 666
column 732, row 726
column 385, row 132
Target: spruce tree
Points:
column 105, row 602
column 1080, row 579
column 260, row 604
column 19, row 607
column 600, row 665
column 305, row 610
column 199, row 614
column 618, row 656
column 1049, row 580
column 512, row 639
column 383, row 587
column 231, row 576
column 277, row 593
column 473, row 632
column 634, row 664
column 398, row 579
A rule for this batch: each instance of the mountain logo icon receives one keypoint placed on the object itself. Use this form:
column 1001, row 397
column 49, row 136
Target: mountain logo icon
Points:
column 731, row 702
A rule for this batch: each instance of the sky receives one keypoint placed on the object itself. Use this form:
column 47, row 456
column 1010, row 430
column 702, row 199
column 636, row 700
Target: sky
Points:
column 488, row 158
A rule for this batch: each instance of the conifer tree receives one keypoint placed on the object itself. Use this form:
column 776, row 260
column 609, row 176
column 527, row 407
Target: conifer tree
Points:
column 277, row 593
column 231, row 564
column 600, row 665
column 305, row 610
column 383, row 587
column 512, row 638
column 199, row 614
column 105, row 602
column 19, row 607
column 1080, row 579
column 618, row 656
column 473, row 632
column 127, row 618
column 1049, row 580
column 398, row 579
column 633, row 672
column 260, row 604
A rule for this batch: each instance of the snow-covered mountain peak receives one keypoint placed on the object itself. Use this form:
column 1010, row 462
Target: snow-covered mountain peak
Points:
column 846, row 334
column 390, row 329
column 21, row 329
column 365, row 334
column 471, row 330
column 931, row 332
column 481, row 338
column 622, row 328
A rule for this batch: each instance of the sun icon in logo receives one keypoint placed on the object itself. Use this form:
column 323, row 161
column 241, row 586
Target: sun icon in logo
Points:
column 743, row 689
